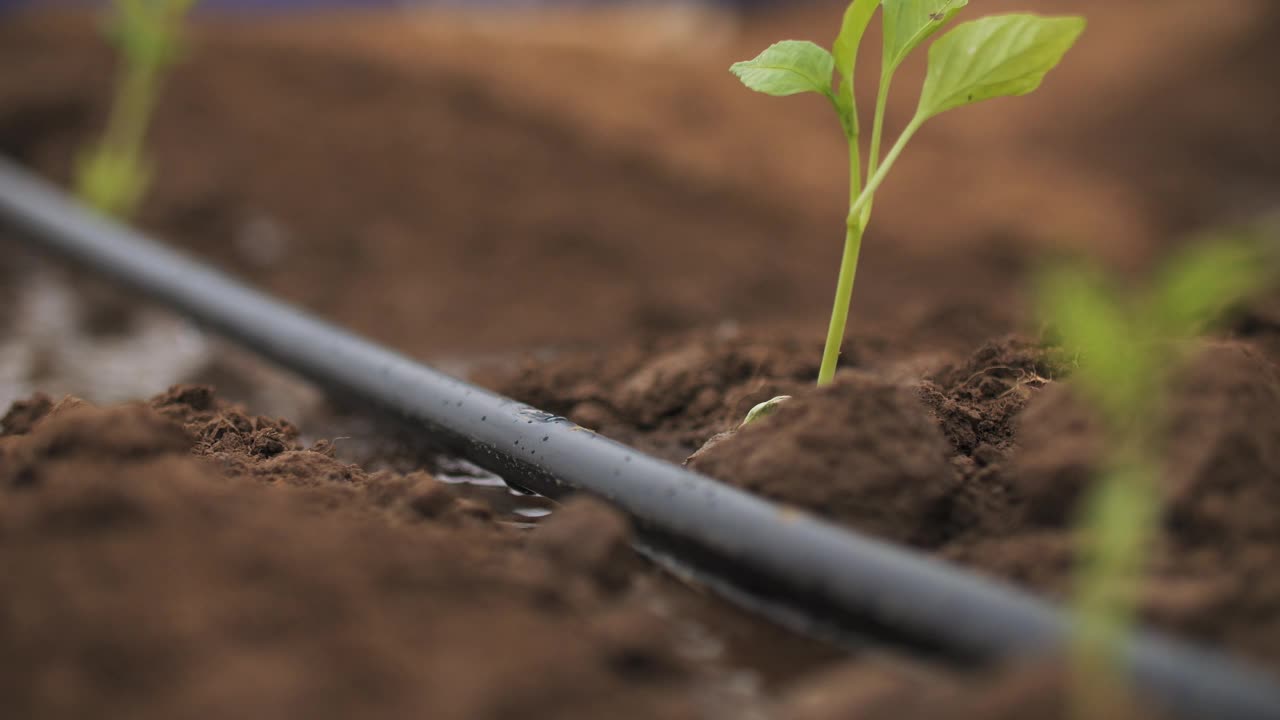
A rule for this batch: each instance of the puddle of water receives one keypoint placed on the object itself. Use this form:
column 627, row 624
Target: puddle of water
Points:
column 514, row 507
column 457, row 471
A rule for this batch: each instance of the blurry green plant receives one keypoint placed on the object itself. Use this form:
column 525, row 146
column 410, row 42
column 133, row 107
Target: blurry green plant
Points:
column 1003, row 55
column 1125, row 349
column 113, row 175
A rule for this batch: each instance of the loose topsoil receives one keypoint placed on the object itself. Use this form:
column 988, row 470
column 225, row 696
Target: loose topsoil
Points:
column 649, row 254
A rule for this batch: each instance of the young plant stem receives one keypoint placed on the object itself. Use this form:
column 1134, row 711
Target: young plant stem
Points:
column 877, row 134
column 873, row 184
column 855, row 223
column 840, row 309
column 127, row 125
column 848, row 269
column 1118, row 525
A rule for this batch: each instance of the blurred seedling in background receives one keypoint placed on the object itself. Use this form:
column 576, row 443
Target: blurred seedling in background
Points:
column 1126, row 349
column 1002, row 55
column 113, row 175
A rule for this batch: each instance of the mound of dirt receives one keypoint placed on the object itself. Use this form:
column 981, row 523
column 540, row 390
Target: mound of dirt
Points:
column 1221, row 481
column 185, row 559
column 860, row 451
column 983, row 460
column 668, row 396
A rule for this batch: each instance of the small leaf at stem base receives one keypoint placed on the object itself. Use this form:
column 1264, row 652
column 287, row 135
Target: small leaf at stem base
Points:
column 763, row 409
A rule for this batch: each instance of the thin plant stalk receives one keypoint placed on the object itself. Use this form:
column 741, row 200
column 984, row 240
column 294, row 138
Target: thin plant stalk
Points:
column 130, row 115
column 859, row 214
column 840, row 309
column 1118, row 527
column 113, row 175
column 877, row 135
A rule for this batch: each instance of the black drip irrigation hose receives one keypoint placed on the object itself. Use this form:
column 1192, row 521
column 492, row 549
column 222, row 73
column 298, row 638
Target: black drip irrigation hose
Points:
column 786, row 562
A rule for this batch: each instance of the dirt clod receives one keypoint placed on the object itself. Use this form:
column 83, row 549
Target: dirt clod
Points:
column 24, row 414
column 860, row 451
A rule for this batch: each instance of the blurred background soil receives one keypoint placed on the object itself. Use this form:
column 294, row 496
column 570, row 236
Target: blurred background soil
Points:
column 584, row 209
column 456, row 185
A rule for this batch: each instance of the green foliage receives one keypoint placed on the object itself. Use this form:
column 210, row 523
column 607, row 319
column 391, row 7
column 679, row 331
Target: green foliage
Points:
column 788, row 68
column 113, row 175
column 1126, row 348
column 1002, row 55
column 845, row 51
column 908, row 24
column 1205, row 279
column 856, row 19
column 764, row 409
column 1113, row 365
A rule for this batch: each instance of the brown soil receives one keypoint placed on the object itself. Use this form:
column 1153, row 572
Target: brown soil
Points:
column 872, row 451
column 888, row 692
column 184, row 559
column 656, row 246
column 863, row 451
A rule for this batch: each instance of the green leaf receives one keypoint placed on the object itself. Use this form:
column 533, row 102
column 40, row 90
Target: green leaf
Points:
column 1096, row 332
column 1206, row 279
column 997, row 56
column 845, row 52
column 908, row 23
column 764, row 409
column 787, row 68
column 856, row 19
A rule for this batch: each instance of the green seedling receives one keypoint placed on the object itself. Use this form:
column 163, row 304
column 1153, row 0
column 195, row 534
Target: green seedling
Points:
column 764, row 409
column 1126, row 349
column 114, row 174
column 998, row 56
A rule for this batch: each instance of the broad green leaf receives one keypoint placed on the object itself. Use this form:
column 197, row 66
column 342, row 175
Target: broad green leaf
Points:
column 787, row 68
column 856, row 19
column 998, row 56
column 907, row 23
column 1096, row 332
column 1205, row 280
